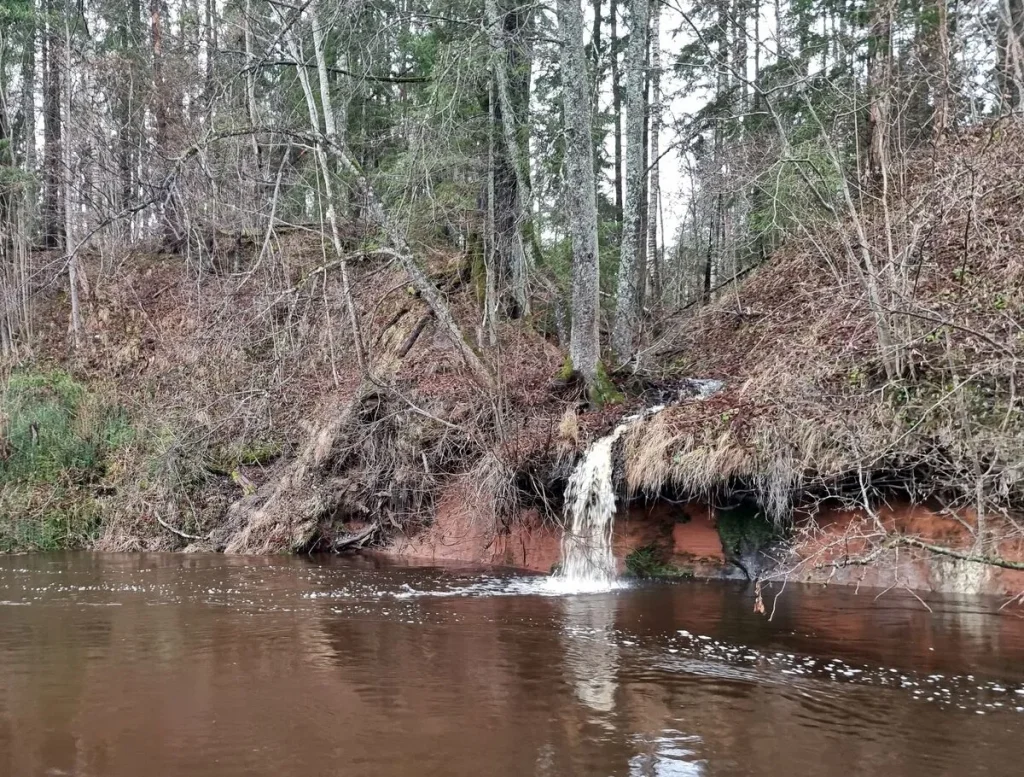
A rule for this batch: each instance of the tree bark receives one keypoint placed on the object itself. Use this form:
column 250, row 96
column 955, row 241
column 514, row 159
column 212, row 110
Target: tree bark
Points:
column 250, row 92
column 613, row 48
column 1010, row 64
column 654, row 145
column 584, row 340
column 53, row 217
column 879, row 84
column 513, row 234
column 942, row 78
column 630, row 272
column 68, row 181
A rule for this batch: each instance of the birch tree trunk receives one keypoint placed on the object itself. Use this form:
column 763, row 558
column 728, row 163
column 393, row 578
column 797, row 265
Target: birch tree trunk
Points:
column 584, row 340
column 630, row 276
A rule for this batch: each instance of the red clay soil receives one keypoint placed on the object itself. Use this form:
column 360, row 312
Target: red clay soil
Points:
column 827, row 550
column 685, row 535
column 832, row 547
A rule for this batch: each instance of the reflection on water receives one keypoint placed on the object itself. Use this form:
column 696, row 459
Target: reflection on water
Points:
column 591, row 652
column 668, row 754
column 117, row 666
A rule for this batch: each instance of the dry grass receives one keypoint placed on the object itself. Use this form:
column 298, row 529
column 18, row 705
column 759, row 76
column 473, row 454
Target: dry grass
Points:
column 809, row 407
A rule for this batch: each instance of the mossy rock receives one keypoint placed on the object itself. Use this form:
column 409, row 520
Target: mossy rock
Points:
column 648, row 562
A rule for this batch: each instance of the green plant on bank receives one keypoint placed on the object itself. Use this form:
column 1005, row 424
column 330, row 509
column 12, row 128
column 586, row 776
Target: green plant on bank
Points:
column 648, row 561
column 55, row 441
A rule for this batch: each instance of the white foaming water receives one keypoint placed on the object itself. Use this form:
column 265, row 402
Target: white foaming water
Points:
column 588, row 565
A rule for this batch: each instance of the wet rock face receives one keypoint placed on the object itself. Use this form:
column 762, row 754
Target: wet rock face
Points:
column 749, row 540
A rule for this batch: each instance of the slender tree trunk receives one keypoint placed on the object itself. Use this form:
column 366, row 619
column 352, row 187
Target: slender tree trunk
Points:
column 68, row 180
column 630, row 271
column 654, row 145
column 250, row 92
column 514, row 241
column 210, row 45
column 159, row 87
column 327, row 155
column 1010, row 46
column 584, row 342
column 616, row 109
column 129, row 117
column 53, row 218
column 28, row 109
column 942, row 90
column 879, row 84
column 163, row 99
column 739, row 56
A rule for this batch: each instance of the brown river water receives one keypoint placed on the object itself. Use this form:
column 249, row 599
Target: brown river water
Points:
column 203, row 665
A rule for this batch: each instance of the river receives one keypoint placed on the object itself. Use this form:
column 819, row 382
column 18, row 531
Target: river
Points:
column 203, row 665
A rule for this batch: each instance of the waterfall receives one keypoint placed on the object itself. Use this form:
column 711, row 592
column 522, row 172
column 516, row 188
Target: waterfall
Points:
column 587, row 560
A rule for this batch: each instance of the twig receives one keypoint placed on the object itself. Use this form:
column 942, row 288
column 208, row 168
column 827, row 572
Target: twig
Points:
column 179, row 532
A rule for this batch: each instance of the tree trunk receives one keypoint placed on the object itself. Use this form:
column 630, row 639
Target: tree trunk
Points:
column 28, row 111
column 584, row 341
column 655, row 168
column 879, row 84
column 162, row 100
column 630, row 272
column 513, row 235
column 327, row 156
column 250, row 95
column 942, row 88
column 1010, row 64
column 53, row 217
column 616, row 109
column 739, row 56
column 128, row 117
column 68, row 180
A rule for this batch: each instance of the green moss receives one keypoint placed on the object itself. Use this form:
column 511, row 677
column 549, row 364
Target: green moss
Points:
column 567, row 370
column 250, row 453
column 603, row 391
column 745, row 529
column 649, row 562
